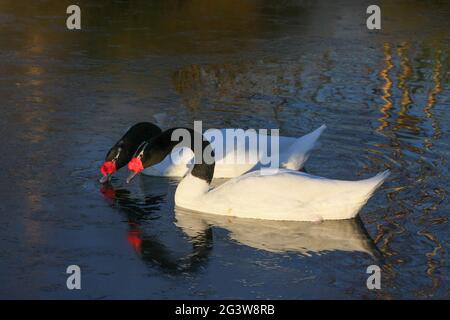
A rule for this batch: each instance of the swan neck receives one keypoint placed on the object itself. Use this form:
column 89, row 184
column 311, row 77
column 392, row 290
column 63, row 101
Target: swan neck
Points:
column 203, row 167
column 189, row 189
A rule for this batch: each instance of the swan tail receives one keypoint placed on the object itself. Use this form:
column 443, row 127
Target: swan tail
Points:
column 376, row 181
column 366, row 189
column 300, row 150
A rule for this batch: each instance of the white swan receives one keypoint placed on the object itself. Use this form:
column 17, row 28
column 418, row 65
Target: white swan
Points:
column 274, row 194
column 293, row 153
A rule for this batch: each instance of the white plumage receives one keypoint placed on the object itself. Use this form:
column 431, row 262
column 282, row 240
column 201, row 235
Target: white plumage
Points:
column 278, row 195
column 234, row 160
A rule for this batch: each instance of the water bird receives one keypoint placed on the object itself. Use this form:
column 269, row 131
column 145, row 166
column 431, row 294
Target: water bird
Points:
column 237, row 156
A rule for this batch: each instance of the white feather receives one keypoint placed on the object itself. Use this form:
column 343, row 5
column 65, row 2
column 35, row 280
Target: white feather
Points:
column 293, row 153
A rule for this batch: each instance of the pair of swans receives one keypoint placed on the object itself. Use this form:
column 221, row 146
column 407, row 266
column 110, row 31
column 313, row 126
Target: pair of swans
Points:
column 294, row 152
column 280, row 194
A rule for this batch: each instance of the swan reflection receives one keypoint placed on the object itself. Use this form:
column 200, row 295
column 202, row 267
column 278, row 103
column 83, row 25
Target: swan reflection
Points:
column 185, row 246
column 146, row 230
column 283, row 236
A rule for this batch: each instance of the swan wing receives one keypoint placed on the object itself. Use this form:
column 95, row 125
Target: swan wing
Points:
column 299, row 151
column 290, row 195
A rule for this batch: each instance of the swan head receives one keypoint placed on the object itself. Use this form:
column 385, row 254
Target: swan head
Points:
column 115, row 159
column 147, row 155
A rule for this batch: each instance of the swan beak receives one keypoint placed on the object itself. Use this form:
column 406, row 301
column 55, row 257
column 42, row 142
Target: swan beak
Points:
column 132, row 175
column 106, row 178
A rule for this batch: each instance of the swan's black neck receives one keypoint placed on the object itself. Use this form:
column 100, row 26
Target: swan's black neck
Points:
column 162, row 145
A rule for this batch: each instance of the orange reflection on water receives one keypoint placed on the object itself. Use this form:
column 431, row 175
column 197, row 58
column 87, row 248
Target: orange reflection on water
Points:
column 431, row 99
column 432, row 263
column 404, row 119
column 386, row 88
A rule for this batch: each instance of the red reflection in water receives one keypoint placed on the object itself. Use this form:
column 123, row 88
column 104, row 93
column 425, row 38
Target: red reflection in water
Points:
column 134, row 236
column 135, row 239
column 108, row 192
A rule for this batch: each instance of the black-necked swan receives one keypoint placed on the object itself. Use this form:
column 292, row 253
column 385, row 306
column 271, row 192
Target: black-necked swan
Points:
column 123, row 150
column 293, row 153
column 274, row 194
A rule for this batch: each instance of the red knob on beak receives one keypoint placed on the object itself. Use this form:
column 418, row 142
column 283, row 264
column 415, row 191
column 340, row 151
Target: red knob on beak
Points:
column 109, row 167
column 134, row 165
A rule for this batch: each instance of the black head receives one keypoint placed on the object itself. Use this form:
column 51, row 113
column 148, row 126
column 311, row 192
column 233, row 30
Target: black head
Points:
column 122, row 152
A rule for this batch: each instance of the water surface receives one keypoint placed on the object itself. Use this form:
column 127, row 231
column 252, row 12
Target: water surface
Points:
column 66, row 97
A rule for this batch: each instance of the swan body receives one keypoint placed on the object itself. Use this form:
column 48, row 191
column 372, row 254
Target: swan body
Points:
column 278, row 195
column 236, row 159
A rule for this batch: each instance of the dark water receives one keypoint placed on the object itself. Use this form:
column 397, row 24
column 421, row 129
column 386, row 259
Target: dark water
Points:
column 65, row 97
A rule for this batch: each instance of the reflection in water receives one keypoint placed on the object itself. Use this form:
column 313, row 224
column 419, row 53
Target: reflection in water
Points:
column 431, row 99
column 272, row 236
column 386, row 88
column 432, row 263
column 405, row 120
column 150, row 248
column 438, row 251
column 283, row 236
column 405, row 150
